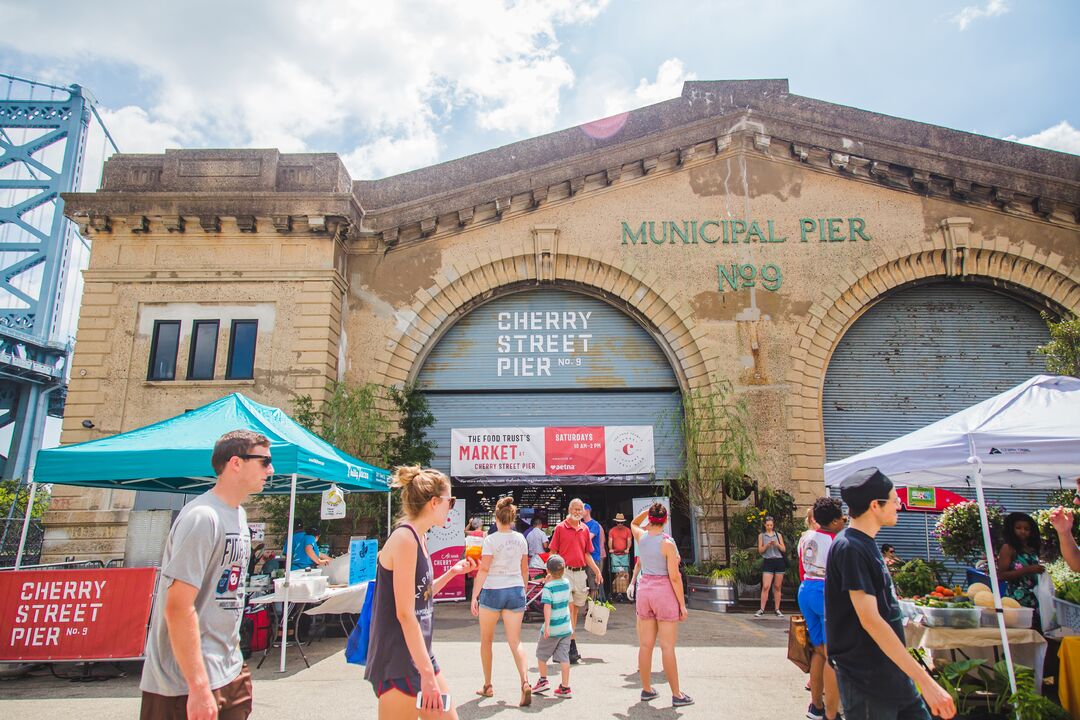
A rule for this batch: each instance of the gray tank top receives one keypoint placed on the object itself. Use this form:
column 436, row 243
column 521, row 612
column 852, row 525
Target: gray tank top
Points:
column 388, row 655
column 772, row 552
column 652, row 557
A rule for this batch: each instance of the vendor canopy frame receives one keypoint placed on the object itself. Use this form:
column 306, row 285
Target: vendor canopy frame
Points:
column 1026, row 437
column 174, row 455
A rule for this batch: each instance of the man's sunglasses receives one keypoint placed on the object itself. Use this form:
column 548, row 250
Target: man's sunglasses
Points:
column 264, row 459
column 895, row 501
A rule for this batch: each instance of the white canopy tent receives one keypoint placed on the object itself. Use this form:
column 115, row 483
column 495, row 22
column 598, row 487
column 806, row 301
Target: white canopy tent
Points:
column 1027, row 437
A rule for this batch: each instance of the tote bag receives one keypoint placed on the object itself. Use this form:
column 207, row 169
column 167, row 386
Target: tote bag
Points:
column 799, row 649
column 357, row 645
column 596, row 621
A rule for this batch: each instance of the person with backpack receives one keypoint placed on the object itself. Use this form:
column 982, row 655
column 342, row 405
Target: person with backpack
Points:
column 400, row 663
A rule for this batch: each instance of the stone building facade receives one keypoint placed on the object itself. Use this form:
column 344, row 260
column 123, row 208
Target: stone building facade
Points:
column 745, row 228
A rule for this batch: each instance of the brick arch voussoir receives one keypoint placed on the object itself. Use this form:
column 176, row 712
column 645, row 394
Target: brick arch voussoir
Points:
column 629, row 282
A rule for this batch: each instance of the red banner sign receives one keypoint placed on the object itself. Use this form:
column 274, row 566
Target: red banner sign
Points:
column 74, row 614
column 934, row 500
column 575, row 451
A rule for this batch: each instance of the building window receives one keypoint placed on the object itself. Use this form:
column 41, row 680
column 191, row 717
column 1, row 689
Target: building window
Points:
column 242, row 350
column 204, row 337
column 163, row 347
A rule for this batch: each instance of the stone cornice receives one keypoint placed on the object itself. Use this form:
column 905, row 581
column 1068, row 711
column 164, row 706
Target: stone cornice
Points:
column 757, row 134
column 150, row 275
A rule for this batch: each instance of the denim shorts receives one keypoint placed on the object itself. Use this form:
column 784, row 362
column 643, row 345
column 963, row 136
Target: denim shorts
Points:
column 511, row 598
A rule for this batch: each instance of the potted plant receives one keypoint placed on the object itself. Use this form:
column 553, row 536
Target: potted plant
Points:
column 959, row 530
column 709, row 573
column 746, row 568
column 737, row 486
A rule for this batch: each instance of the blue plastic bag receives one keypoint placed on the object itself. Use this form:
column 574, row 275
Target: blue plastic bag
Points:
column 357, row 646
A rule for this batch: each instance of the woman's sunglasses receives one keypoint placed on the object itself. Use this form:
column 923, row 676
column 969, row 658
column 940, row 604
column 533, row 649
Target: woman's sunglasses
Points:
column 450, row 498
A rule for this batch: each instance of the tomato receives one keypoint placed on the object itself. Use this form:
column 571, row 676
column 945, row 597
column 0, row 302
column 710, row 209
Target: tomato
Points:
column 939, row 589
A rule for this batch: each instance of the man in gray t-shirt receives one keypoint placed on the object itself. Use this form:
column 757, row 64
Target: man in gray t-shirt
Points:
column 193, row 666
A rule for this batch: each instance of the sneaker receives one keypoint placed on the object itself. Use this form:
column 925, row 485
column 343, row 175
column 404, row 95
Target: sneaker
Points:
column 541, row 686
column 647, row 695
column 562, row 691
column 779, row 614
column 682, row 701
column 815, row 713
column 759, row 613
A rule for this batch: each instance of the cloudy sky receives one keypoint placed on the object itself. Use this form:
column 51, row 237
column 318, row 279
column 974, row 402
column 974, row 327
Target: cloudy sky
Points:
column 401, row 84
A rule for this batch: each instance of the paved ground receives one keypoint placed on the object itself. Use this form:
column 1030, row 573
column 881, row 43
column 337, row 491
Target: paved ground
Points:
column 733, row 665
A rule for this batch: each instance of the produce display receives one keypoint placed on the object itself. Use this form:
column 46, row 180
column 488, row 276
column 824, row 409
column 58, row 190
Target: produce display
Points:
column 914, row 578
column 1066, row 582
column 950, row 607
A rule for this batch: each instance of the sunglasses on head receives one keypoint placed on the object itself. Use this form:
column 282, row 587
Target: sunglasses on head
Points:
column 264, row 459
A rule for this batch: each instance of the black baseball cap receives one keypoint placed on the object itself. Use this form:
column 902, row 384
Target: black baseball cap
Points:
column 862, row 487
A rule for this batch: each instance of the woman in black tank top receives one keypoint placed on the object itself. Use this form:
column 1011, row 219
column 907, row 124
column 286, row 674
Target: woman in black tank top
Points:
column 400, row 664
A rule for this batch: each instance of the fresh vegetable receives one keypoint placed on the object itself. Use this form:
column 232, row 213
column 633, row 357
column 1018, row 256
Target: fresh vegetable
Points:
column 1066, row 582
column 976, row 588
column 915, row 578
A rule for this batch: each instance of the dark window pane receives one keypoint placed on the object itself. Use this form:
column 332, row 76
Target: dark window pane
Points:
column 242, row 350
column 203, row 350
column 163, row 349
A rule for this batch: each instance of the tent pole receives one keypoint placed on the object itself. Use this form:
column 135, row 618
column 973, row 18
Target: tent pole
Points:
column 26, row 517
column 991, row 564
column 288, row 571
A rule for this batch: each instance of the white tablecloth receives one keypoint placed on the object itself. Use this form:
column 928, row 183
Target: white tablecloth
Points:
column 1028, row 646
column 336, row 600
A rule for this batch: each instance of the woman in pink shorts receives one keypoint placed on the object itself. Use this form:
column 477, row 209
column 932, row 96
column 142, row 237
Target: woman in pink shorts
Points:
column 659, row 599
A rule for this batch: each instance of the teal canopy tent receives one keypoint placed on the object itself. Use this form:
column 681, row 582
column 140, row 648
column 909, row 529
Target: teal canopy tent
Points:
column 174, row 456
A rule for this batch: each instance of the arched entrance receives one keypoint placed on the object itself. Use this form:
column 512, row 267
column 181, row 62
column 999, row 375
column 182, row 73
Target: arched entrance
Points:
column 543, row 358
column 917, row 356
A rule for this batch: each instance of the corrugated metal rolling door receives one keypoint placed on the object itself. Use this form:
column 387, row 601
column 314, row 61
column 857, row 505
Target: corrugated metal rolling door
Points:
column 922, row 355
column 917, row 357
column 911, row 536
column 551, row 358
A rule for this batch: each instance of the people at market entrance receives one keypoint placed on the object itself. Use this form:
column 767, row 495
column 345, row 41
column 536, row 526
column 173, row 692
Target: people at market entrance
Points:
column 400, row 662
column 194, row 668
column 598, row 552
column 537, row 542
column 828, row 519
column 876, row 675
column 571, row 540
column 660, row 601
column 1018, row 559
column 499, row 594
column 770, row 545
column 1062, row 519
column 619, row 540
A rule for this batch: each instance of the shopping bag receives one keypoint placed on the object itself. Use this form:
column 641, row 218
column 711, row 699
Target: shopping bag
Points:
column 1044, row 593
column 799, row 648
column 357, row 645
column 596, row 620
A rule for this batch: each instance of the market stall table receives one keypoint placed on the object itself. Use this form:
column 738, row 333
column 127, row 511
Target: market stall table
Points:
column 1028, row 646
column 334, row 601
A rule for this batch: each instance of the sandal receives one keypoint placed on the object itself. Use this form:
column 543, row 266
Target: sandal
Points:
column 526, row 694
column 486, row 691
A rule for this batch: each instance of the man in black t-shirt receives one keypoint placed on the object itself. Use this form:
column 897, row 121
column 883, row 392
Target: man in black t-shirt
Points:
column 876, row 675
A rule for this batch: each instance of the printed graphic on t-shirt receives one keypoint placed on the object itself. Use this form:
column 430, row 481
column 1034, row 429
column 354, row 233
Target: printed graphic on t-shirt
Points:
column 230, row 590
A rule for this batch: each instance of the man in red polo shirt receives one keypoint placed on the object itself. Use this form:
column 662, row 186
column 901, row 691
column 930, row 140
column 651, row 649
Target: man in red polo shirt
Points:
column 573, row 542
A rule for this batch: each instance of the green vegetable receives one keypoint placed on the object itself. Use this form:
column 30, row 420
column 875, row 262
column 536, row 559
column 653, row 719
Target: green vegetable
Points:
column 914, row 578
column 1066, row 582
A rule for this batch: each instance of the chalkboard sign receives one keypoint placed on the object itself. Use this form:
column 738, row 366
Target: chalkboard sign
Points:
column 363, row 555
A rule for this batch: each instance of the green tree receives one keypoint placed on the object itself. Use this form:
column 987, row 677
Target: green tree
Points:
column 1063, row 351
column 7, row 496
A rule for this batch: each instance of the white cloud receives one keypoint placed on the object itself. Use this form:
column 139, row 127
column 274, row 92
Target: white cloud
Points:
column 971, row 13
column 670, row 77
column 312, row 76
column 390, row 156
column 1063, row 137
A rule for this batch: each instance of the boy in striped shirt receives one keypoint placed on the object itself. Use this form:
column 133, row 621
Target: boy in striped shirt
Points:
column 554, row 643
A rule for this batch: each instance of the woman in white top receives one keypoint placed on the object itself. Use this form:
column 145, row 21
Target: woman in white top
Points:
column 499, row 591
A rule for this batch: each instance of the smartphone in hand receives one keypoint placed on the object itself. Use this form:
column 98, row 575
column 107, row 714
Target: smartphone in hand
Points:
column 444, row 698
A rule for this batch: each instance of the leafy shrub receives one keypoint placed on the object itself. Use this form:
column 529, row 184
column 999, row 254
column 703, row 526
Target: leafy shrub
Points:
column 959, row 530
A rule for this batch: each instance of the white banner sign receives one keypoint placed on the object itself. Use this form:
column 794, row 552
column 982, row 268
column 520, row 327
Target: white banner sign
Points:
column 333, row 504
column 446, row 545
column 496, row 452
